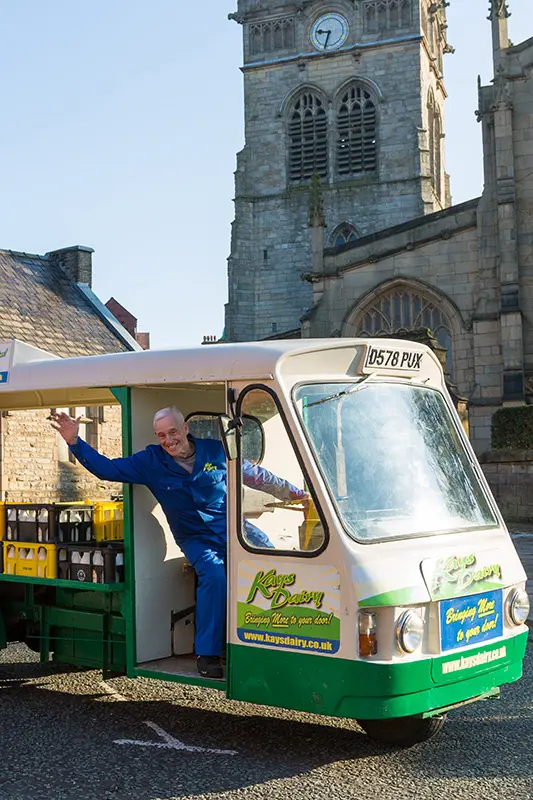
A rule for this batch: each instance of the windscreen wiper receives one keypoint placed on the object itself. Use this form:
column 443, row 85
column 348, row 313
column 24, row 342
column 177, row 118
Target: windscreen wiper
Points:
column 344, row 392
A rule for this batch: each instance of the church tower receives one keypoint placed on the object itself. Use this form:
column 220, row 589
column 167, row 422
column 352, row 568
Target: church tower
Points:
column 350, row 91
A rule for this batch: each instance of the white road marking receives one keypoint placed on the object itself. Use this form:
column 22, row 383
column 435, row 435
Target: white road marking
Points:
column 112, row 693
column 170, row 743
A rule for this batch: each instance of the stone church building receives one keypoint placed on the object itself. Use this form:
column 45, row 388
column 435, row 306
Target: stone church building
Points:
column 344, row 224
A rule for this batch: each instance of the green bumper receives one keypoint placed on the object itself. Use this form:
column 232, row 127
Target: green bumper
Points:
column 363, row 690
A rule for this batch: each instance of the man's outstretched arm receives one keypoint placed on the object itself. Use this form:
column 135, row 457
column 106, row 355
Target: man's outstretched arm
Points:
column 260, row 478
column 121, row 470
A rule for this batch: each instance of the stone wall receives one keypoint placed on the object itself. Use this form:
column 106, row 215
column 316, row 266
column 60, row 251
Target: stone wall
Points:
column 36, row 467
column 438, row 251
column 442, row 257
column 510, row 477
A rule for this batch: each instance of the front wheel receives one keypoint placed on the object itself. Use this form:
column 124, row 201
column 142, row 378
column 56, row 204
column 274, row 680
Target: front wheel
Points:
column 402, row 731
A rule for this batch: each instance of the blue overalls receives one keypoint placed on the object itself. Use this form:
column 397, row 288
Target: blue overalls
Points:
column 195, row 507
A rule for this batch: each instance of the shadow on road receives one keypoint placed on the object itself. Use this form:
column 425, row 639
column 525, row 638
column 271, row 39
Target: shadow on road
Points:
column 61, row 743
column 80, row 731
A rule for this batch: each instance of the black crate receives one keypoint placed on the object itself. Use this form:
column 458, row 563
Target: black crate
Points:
column 48, row 522
column 102, row 563
column 73, row 523
column 29, row 522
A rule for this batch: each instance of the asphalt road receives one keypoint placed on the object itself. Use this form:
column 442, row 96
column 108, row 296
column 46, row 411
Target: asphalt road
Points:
column 69, row 736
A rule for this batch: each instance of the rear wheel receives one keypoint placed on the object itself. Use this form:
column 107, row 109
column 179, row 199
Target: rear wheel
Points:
column 402, row 731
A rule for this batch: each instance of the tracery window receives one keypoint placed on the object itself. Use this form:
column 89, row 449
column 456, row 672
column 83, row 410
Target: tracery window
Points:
column 403, row 309
column 386, row 15
column 308, row 138
column 356, row 132
column 343, row 234
column 266, row 37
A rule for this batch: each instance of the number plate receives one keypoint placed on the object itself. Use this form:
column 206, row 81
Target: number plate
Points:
column 470, row 620
column 392, row 359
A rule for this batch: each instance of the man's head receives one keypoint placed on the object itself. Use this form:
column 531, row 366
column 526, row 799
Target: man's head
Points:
column 171, row 431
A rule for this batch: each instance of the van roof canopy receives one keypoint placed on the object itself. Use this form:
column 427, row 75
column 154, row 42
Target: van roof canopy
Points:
column 33, row 378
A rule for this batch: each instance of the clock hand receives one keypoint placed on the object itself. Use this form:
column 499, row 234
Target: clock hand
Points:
column 327, row 40
column 321, row 32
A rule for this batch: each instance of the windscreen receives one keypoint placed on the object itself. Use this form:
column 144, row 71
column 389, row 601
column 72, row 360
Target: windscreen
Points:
column 392, row 458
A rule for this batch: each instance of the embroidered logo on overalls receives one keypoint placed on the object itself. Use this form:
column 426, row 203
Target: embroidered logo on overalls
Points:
column 209, row 467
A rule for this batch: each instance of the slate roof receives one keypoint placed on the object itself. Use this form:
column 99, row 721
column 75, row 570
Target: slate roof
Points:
column 42, row 306
column 411, row 224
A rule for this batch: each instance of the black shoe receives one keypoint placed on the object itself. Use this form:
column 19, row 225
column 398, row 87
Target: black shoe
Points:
column 209, row 666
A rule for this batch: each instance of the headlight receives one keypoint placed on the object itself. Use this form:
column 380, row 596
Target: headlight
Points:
column 518, row 606
column 409, row 631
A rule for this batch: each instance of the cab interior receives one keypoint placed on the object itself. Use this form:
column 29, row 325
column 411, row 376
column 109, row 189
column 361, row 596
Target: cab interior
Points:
column 164, row 580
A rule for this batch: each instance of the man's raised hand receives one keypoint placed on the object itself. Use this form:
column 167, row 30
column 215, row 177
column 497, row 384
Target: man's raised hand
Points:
column 301, row 497
column 67, row 426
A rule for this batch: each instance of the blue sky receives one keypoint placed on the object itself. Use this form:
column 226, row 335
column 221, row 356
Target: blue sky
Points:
column 121, row 121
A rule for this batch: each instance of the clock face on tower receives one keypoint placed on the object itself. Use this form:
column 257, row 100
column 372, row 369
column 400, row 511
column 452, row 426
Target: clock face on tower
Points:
column 329, row 32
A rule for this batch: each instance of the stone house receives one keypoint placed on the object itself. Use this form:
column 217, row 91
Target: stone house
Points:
column 47, row 302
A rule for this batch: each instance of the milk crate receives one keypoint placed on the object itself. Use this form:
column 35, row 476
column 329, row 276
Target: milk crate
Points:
column 29, row 522
column 108, row 521
column 48, row 522
column 98, row 563
column 29, row 559
column 74, row 523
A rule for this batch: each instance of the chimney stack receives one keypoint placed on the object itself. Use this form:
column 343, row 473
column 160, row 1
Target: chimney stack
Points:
column 76, row 262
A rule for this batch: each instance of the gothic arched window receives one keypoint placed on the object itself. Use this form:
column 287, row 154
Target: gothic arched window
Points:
column 386, row 15
column 343, row 234
column 356, row 131
column 404, row 309
column 266, row 37
column 308, row 138
column 256, row 39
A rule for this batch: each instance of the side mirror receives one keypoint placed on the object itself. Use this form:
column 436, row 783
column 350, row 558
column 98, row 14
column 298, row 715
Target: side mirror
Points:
column 228, row 434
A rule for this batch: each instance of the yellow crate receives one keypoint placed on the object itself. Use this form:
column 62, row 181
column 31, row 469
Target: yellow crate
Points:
column 30, row 560
column 108, row 521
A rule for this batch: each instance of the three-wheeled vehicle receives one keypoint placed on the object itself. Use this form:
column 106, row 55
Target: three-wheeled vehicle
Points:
column 394, row 596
